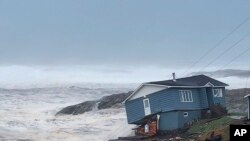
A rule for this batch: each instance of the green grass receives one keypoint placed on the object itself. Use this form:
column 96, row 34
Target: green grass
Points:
column 238, row 114
column 207, row 127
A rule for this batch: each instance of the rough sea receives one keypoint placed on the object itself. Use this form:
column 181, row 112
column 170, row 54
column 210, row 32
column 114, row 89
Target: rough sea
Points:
column 29, row 114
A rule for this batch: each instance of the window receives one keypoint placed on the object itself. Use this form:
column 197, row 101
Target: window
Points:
column 186, row 96
column 147, row 109
column 146, row 103
column 185, row 114
column 217, row 92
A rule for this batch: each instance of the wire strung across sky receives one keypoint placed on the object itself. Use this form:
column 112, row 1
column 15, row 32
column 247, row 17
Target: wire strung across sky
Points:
column 215, row 46
column 247, row 78
column 233, row 59
column 224, row 52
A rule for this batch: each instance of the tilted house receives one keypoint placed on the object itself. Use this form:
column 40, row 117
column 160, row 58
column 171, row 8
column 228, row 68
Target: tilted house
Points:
column 176, row 102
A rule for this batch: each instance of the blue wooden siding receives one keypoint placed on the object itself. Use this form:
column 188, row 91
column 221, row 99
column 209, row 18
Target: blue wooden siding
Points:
column 165, row 100
column 204, row 98
column 168, row 121
column 248, row 107
column 210, row 96
column 134, row 110
column 220, row 100
column 175, row 119
column 216, row 100
column 169, row 100
column 192, row 115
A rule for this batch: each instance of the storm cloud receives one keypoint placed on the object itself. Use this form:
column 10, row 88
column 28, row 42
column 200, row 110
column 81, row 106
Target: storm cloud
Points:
column 226, row 73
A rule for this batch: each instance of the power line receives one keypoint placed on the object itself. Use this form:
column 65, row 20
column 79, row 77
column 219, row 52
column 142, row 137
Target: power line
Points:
column 233, row 59
column 224, row 52
column 215, row 46
column 247, row 78
column 230, row 74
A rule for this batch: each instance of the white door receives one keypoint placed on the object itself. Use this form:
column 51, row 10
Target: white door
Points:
column 146, row 107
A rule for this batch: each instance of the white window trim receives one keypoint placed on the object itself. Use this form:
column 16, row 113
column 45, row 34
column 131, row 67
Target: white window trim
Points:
column 144, row 103
column 219, row 91
column 185, row 114
column 147, row 110
column 186, row 96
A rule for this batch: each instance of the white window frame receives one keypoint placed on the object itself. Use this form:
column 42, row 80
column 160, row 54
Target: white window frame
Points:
column 146, row 103
column 217, row 92
column 186, row 96
column 185, row 114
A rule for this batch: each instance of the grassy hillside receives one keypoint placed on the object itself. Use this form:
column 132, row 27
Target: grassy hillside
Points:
column 210, row 126
column 218, row 126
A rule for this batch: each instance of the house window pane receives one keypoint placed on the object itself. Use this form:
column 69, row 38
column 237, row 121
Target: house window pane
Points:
column 182, row 97
column 185, row 114
column 217, row 92
column 191, row 96
column 220, row 93
column 186, row 96
column 146, row 103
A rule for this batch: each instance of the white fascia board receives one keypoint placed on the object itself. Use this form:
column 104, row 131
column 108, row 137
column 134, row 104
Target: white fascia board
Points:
column 138, row 88
column 157, row 85
column 246, row 96
column 208, row 84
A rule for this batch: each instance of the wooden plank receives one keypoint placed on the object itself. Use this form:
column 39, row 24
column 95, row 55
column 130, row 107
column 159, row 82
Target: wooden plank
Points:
column 134, row 138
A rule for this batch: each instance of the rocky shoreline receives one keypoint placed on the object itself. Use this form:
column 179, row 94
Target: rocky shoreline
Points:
column 235, row 96
column 114, row 100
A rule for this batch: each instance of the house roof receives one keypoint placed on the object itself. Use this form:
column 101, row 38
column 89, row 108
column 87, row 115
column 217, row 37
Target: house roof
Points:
column 246, row 96
column 198, row 80
column 193, row 81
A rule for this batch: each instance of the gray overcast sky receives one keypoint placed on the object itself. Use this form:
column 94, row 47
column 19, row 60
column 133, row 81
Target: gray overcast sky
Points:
column 61, row 41
column 169, row 33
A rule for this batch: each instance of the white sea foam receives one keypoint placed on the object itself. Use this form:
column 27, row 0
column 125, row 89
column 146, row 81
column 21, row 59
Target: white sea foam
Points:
column 29, row 114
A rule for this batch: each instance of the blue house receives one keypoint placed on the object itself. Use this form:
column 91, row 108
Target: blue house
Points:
column 175, row 102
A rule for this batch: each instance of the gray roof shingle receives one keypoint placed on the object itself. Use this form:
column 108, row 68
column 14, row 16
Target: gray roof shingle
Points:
column 198, row 80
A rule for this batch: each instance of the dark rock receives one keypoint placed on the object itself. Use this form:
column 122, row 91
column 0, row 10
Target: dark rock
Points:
column 104, row 103
column 77, row 109
column 214, row 137
column 111, row 100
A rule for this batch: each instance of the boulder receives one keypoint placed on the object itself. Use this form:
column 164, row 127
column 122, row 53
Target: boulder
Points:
column 104, row 103
column 111, row 100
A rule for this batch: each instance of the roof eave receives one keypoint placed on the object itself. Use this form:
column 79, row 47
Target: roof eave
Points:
column 138, row 88
column 246, row 96
column 167, row 86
